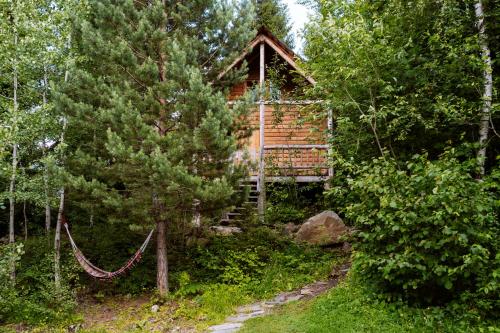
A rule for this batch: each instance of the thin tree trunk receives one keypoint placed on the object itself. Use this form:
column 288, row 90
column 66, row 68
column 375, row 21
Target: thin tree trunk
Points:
column 47, row 204
column 12, row 200
column 161, row 241
column 57, row 236
column 25, row 221
column 161, row 257
column 488, row 87
column 57, row 243
column 91, row 216
column 196, row 221
column 12, row 187
column 46, row 171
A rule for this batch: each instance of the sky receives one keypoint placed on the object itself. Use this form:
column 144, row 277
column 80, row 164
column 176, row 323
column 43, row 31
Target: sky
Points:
column 299, row 16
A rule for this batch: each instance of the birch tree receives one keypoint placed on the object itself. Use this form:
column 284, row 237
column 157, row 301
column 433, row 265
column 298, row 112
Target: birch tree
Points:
column 484, row 124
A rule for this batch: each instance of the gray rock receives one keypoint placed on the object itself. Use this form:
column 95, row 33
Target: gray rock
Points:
column 346, row 247
column 74, row 328
column 290, row 229
column 249, row 308
column 225, row 231
column 306, row 291
column 241, row 317
column 325, row 228
column 225, row 328
column 155, row 308
column 294, row 298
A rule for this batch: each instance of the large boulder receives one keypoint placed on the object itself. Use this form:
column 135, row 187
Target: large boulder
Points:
column 323, row 229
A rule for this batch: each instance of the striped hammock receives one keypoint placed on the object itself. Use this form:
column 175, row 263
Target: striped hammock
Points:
column 101, row 274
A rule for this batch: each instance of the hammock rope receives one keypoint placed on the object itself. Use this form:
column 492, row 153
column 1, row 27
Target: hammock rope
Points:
column 99, row 273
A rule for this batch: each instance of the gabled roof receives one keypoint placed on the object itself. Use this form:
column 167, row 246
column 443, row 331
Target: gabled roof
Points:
column 264, row 35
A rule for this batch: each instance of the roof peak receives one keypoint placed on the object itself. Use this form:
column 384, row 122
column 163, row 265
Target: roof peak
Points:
column 264, row 30
column 264, row 35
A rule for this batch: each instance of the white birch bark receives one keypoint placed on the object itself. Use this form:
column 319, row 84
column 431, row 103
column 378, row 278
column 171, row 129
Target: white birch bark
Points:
column 57, row 234
column 488, row 87
column 57, row 242
column 46, row 170
column 12, row 186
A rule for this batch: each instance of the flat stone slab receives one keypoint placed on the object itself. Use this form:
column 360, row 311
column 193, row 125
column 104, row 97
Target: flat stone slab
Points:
column 306, row 291
column 249, row 308
column 294, row 298
column 241, row 317
column 225, row 328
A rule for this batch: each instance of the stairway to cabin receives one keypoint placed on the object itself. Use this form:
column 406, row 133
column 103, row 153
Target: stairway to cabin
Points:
column 249, row 206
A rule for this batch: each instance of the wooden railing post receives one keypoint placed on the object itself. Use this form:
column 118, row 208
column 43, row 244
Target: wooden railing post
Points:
column 329, row 140
column 262, row 183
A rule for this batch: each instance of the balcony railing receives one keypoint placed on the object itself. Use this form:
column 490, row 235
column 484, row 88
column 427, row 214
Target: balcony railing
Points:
column 296, row 160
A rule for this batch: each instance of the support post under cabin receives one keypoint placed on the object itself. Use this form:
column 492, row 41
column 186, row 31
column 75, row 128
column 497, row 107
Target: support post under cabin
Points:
column 329, row 141
column 262, row 184
column 329, row 151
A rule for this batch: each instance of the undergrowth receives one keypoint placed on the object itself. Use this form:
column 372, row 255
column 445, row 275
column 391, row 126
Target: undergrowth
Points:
column 207, row 282
column 351, row 307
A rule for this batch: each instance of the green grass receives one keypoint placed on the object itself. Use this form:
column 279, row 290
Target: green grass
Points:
column 346, row 309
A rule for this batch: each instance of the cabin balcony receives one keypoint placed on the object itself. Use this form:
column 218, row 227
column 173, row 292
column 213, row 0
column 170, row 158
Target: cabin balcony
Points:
column 302, row 162
column 298, row 162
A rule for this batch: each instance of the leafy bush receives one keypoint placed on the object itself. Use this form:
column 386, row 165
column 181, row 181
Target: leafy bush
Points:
column 292, row 203
column 9, row 254
column 260, row 261
column 33, row 299
column 427, row 231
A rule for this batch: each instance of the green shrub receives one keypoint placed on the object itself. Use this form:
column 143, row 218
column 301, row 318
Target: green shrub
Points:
column 9, row 254
column 291, row 202
column 427, row 231
column 260, row 261
column 33, row 299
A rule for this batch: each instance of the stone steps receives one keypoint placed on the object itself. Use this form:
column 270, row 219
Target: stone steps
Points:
column 234, row 322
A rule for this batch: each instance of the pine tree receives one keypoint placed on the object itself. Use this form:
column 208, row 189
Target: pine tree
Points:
column 148, row 132
column 273, row 14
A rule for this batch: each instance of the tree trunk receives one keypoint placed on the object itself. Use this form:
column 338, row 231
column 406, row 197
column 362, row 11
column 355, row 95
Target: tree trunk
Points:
column 57, row 243
column 46, row 171
column 196, row 221
column 25, row 221
column 488, row 87
column 57, row 236
column 12, row 200
column 12, row 187
column 47, row 204
column 91, row 221
column 161, row 257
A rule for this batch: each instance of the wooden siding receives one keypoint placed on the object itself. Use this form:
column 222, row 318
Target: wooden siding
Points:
column 289, row 146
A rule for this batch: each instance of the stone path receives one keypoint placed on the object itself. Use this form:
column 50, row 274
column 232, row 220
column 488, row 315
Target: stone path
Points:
column 235, row 322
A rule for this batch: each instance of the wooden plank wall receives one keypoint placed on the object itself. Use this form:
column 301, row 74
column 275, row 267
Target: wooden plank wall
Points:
column 283, row 126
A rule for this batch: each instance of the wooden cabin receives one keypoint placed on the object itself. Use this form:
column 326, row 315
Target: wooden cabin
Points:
column 284, row 143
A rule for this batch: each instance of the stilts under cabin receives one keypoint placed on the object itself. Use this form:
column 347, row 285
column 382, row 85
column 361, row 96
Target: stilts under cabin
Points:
column 285, row 143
